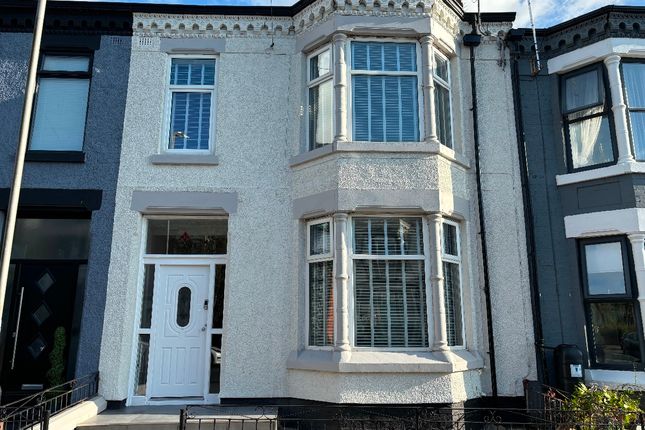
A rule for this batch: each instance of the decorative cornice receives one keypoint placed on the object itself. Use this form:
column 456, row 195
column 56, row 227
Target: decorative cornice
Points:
column 175, row 25
column 163, row 25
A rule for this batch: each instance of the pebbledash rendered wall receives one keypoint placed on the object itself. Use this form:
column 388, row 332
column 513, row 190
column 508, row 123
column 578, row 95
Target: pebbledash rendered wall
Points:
column 269, row 186
column 102, row 142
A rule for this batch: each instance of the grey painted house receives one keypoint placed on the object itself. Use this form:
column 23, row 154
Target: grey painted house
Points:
column 58, row 278
column 582, row 128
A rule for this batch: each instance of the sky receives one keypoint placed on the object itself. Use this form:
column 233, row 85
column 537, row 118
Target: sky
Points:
column 545, row 12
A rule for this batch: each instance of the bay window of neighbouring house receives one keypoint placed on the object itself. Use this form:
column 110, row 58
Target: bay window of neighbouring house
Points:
column 61, row 103
column 634, row 82
column 388, row 259
column 320, row 99
column 190, row 104
column 613, row 313
column 385, row 92
column 587, row 121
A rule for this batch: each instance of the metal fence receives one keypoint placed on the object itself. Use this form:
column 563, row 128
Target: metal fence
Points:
column 34, row 412
column 353, row 417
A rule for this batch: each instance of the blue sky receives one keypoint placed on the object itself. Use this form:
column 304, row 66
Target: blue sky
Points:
column 545, row 12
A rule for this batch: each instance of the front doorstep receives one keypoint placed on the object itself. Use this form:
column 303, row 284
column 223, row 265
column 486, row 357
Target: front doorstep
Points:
column 210, row 399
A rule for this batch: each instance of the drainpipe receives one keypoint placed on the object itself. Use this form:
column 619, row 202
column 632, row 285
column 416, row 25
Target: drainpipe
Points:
column 528, row 219
column 473, row 40
column 14, row 194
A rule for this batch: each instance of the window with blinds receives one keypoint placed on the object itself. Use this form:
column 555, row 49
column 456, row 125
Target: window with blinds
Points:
column 192, row 88
column 61, row 103
column 451, row 256
column 385, row 105
column 320, row 99
column 321, row 283
column 389, row 282
column 442, row 102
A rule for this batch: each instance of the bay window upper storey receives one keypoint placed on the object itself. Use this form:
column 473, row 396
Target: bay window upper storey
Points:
column 378, row 90
column 602, row 105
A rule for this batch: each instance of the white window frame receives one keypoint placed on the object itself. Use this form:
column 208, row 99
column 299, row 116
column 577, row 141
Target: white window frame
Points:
column 316, row 82
column 446, row 85
column 313, row 259
column 351, row 72
column 425, row 238
column 458, row 260
column 212, row 260
column 170, row 89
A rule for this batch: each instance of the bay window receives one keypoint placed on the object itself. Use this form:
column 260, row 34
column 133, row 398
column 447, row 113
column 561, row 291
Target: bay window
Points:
column 320, row 99
column 587, row 123
column 61, row 103
column 613, row 312
column 384, row 267
column 191, row 94
column 634, row 82
column 385, row 99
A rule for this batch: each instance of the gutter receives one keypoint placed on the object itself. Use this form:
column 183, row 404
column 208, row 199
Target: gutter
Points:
column 473, row 40
column 528, row 223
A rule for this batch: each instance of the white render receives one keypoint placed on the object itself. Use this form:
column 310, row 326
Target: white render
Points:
column 260, row 133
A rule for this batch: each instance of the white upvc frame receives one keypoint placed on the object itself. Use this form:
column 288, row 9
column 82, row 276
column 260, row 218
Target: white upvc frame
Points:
column 425, row 257
column 455, row 259
column 167, row 111
column 446, row 85
column 175, row 259
column 350, row 89
column 313, row 259
column 329, row 76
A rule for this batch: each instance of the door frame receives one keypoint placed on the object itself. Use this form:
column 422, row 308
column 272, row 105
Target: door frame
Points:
column 174, row 260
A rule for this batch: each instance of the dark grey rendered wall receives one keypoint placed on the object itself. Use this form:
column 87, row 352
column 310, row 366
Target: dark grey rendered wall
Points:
column 103, row 133
column 556, row 257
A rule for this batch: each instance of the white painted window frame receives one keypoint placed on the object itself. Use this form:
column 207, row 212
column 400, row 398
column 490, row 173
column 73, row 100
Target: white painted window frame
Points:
column 189, row 259
column 316, row 82
column 456, row 259
column 351, row 72
column 317, row 258
column 446, row 85
column 167, row 111
column 425, row 238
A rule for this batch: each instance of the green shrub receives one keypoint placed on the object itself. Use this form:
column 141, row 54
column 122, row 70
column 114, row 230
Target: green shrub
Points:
column 596, row 406
column 56, row 372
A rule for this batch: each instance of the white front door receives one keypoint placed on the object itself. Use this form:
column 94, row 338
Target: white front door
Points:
column 179, row 331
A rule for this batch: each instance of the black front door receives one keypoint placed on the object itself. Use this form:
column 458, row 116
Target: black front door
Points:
column 39, row 325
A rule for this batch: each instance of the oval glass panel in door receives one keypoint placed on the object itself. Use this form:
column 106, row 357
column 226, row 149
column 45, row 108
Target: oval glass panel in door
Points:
column 183, row 306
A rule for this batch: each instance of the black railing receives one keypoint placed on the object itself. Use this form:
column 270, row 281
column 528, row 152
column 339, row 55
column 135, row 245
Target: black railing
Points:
column 35, row 410
column 375, row 417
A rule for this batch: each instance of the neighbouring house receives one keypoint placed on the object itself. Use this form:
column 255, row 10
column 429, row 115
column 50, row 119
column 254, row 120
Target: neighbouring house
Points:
column 582, row 129
column 298, row 208
column 61, row 254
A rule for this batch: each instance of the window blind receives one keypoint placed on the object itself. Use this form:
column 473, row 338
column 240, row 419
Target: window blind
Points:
column 389, row 291
column 321, row 286
column 451, row 257
column 385, row 106
column 61, row 110
column 192, row 84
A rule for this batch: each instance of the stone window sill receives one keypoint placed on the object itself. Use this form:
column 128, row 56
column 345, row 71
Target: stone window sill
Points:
column 185, row 159
column 616, row 378
column 55, row 156
column 372, row 147
column 386, row 362
column 601, row 172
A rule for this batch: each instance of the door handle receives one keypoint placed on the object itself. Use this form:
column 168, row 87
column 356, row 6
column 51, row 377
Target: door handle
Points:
column 15, row 333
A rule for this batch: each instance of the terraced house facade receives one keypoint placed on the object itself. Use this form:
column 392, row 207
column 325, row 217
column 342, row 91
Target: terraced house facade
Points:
column 582, row 129
column 297, row 211
column 319, row 202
